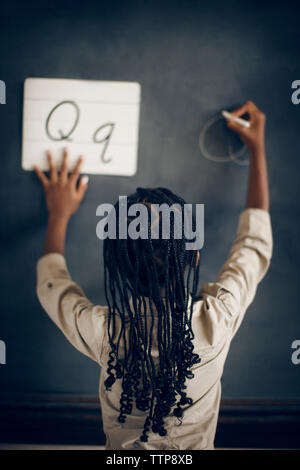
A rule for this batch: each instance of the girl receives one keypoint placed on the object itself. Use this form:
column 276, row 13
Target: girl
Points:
column 161, row 343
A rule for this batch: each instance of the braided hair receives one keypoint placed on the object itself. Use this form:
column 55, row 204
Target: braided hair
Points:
column 140, row 268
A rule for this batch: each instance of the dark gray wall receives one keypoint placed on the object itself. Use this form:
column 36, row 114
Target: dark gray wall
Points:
column 191, row 60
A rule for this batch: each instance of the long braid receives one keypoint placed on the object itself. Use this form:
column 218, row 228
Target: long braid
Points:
column 139, row 269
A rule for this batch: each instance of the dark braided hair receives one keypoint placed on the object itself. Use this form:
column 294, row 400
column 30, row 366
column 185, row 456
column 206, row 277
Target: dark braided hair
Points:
column 139, row 269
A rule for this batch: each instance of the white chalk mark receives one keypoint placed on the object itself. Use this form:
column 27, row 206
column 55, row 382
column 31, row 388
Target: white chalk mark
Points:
column 231, row 157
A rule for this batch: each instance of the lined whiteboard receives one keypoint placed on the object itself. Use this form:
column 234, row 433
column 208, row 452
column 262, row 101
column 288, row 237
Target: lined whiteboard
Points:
column 96, row 119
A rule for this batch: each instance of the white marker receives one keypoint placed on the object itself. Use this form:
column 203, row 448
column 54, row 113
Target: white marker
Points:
column 236, row 119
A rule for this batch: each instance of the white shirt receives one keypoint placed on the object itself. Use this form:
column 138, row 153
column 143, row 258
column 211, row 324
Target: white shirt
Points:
column 216, row 318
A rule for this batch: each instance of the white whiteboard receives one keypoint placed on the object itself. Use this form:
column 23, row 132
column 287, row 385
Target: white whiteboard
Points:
column 96, row 119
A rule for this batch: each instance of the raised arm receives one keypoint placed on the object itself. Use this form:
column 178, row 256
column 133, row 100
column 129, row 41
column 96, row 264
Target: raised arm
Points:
column 251, row 252
column 254, row 138
column 63, row 199
column 64, row 301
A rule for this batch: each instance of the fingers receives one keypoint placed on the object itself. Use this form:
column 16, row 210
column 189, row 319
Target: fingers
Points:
column 75, row 173
column 254, row 112
column 63, row 175
column 236, row 127
column 198, row 258
column 248, row 107
column 41, row 176
column 83, row 185
column 64, row 167
column 253, row 137
column 52, row 167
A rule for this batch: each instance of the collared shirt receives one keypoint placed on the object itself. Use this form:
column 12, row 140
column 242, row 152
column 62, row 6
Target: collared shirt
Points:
column 216, row 318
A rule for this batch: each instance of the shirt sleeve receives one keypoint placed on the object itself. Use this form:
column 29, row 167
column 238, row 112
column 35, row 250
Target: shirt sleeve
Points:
column 247, row 264
column 64, row 301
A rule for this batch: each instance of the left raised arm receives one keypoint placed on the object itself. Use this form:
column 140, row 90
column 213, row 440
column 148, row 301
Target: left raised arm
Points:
column 64, row 301
column 63, row 199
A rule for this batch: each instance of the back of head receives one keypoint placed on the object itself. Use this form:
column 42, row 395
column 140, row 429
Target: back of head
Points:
column 158, row 266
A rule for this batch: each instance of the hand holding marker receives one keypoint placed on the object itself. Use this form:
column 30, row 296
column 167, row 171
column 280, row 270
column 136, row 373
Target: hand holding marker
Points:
column 236, row 119
column 252, row 132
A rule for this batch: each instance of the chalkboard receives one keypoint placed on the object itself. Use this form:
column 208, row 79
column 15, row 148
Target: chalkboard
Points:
column 191, row 60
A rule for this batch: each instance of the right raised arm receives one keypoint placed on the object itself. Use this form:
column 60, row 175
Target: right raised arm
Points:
column 251, row 252
column 254, row 138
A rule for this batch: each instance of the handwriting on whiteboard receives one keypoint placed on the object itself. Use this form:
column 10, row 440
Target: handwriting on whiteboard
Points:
column 97, row 119
column 67, row 135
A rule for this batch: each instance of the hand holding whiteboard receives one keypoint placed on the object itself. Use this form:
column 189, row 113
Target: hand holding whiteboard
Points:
column 97, row 119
